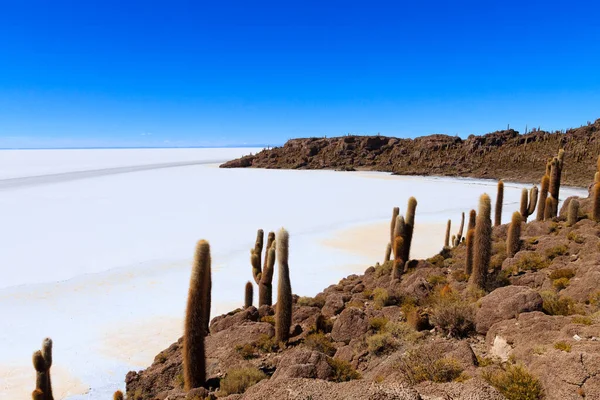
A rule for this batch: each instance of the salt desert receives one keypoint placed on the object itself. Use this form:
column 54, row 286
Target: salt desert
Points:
column 97, row 245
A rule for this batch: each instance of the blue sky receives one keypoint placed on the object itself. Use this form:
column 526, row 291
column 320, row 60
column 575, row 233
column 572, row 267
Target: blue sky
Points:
column 196, row 73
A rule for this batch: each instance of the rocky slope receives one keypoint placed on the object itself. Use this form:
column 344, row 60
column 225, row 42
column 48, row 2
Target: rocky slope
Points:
column 500, row 155
column 533, row 333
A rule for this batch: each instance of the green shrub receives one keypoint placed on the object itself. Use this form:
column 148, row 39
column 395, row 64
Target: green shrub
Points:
column 381, row 298
column 266, row 344
column 559, row 305
column 378, row 324
column 270, row 319
column 426, row 363
column 385, row 269
column 320, row 342
column 556, row 251
column 381, row 343
column 402, row 330
column 453, row 316
column 436, row 261
column 531, row 262
column 515, row 383
column 562, row 273
column 594, row 299
column 342, row 370
column 238, row 380
column 437, row 280
column 581, row 319
column 247, row 351
column 318, row 301
column 560, row 283
column 460, row 275
column 575, row 237
column 562, row 346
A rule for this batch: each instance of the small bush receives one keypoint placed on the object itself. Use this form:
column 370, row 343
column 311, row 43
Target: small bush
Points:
column 436, row 280
column 381, row 343
column 247, row 351
column 319, row 342
column 402, row 330
column 238, row 380
column 562, row 273
column 515, row 383
column 556, row 251
column 268, row 319
column 355, row 303
column 322, row 324
column 575, row 237
column 554, row 228
column 453, row 316
column 580, row 319
column 436, row 261
column 460, row 276
column 559, row 305
column 266, row 344
column 318, row 301
column 381, row 298
column 342, row 370
column 562, row 346
column 378, row 324
column 425, row 363
column 415, row 318
column 594, row 299
column 531, row 262
column 560, row 283
column 385, row 269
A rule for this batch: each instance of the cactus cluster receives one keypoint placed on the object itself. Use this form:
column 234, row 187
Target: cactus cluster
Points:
column 401, row 232
column 263, row 274
column 42, row 361
column 550, row 187
column 528, row 202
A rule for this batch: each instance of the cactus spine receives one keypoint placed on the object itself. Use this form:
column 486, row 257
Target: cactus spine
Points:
column 447, row 239
column 265, row 287
column 482, row 249
column 469, row 258
column 541, row 209
column 283, row 312
column 459, row 235
column 472, row 219
column 248, row 295
column 596, row 202
column 196, row 315
column 499, row 200
column 513, row 239
column 573, row 212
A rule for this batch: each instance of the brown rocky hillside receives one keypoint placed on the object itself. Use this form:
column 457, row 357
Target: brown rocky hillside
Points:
column 500, row 155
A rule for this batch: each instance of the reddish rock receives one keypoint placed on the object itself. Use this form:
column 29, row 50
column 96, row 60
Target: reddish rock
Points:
column 505, row 303
column 350, row 324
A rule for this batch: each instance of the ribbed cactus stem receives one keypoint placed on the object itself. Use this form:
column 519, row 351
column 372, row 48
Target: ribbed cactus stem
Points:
column 270, row 241
column 398, row 260
column 395, row 213
column 555, row 173
column 37, row 394
column 388, row 252
column 482, row 249
column 41, row 369
column 524, row 209
column 248, row 295
column 469, row 256
column 195, row 328
column 549, row 208
column 541, row 208
column 447, row 238
column 513, row 239
column 399, row 227
column 499, row 201
column 47, row 354
column 597, row 177
column 472, row 220
column 533, row 198
column 459, row 235
column 409, row 227
column 265, row 287
column 573, row 212
column 283, row 312
column 596, row 202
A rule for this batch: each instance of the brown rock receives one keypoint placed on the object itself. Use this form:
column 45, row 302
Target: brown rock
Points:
column 302, row 363
column 334, row 304
column 350, row 324
column 226, row 321
column 505, row 303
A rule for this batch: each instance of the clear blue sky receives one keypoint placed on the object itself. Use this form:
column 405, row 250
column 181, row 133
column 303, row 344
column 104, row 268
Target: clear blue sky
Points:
column 184, row 73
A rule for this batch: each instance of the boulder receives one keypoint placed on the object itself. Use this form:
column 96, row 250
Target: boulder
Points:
column 351, row 323
column 505, row 303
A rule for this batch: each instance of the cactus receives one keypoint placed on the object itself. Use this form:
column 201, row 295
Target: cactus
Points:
column 118, row 395
column 248, row 295
column 399, row 228
column 469, row 256
column 596, row 202
column 409, row 228
column 573, row 212
column 482, row 249
column 265, row 287
column 533, row 197
column 283, row 312
column 459, row 235
column 597, row 177
column 550, row 208
column 398, row 260
column 555, row 173
column 388, row 253
column 524, row 209
column 395, row 213
column 472, row 219
column 499, row 200
column 196, row 315
column 541, row 208
column 47, row 354
column 255, row 255
column 270, row 241
column 447, row 239
column 37, row 394
column 41, row 369
column 513, row 239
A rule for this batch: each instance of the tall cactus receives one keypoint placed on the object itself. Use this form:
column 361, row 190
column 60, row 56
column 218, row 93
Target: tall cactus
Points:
column 550, row 208
column 265, row 287
column 248, row 294
column 47, row 354
column 555, row 174
column 388, row 253
column 447, row 239
column 573, row 212
column 513, row 239
column 482, row 249
column 270, row 241
column 395, row 213
column 541, row 208
column 499, row 201
column 459, row 234
column 196, row 316
column 469, row 257
column 255, row 255
column 409, row 228
column 42, row 361
column 472, row 220
column 596, row 202
column 283, row 312
column 398, row 260
column 37, row 394
column 533, row 197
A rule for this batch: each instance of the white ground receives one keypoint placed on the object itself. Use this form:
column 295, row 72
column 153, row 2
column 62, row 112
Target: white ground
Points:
column 100, row 261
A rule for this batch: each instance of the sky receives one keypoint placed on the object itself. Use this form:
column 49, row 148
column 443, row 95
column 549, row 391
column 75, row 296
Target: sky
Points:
column 224, row 73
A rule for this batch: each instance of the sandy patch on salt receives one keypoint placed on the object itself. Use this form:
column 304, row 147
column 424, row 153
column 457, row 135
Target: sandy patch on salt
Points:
column 371, row 240
column 17, row 382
